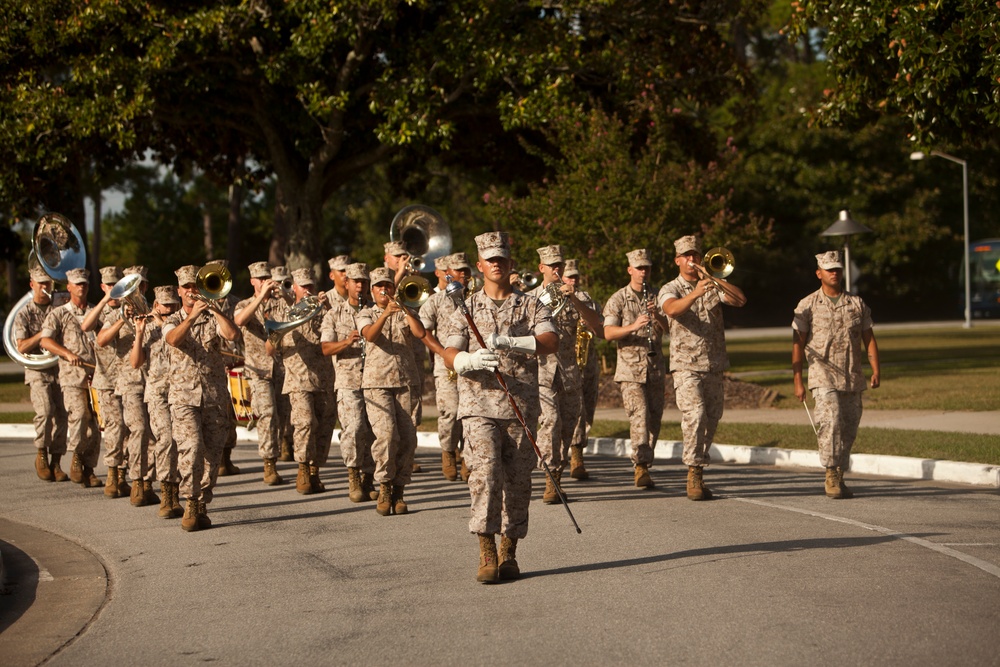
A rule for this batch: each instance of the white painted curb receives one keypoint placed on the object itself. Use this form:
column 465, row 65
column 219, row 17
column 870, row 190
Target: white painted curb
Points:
column 669, row 451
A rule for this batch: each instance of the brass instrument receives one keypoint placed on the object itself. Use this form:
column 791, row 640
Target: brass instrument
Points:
column 650, row 332
column 133, row 303
column 474, row 284
column 306, row 309
column 214, row 281
column 284, row 291
column 529, row 281
column 413, row 291
column 424, row 234
column 583, row 337
column 718, row 263
column 57, row 247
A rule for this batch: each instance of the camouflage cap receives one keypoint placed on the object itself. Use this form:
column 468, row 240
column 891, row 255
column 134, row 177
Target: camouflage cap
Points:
column 458, row 260
column 686, row 244
column 571, row 269
column 382, row 275
column 110, row 275
column 166, row 294
column 550, row 254
column 187, row 275
column 38, row 275
column 441, row 263
column 222, row 262
column 138, row 268
column 339, row 263
column 303, row 277
column 260, row 270
column 357, row 271
column 638, row 258
column 395, row 248
column 280, row 273
column 829, row 260
column 493, row 244
column 76, row 276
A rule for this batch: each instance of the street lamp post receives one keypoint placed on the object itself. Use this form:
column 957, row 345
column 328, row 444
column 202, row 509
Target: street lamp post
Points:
column 917, row 155
column 846, row 226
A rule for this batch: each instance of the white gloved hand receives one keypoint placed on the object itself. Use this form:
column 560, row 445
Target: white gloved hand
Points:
column 480, row 360
column 522, row 344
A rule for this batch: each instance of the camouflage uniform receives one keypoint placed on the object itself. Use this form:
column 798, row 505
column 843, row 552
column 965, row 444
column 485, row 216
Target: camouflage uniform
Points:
column 499, row 454
column 437, row 315
column 697, row 361
column 560, row 383
column 130, row 387
column 156, row 395
column 282, row 405
column 591, row 385
column 62, row 324
column 834, row 348
column 199, row 402
column 258, row 367
column 388, row 380
column 639, row 374
column 104, row 381
column 43, row 385
column 309, row 386
column 355, row 432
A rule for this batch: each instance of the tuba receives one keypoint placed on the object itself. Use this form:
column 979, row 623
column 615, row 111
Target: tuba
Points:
column 424, row 234
column 133, row 303
column 57, row 247
column 306, row 309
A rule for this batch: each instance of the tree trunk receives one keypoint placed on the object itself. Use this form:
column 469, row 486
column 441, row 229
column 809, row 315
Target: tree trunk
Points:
column 296, row 227
column 233, row 237
column 206, row 226
column 95, row 242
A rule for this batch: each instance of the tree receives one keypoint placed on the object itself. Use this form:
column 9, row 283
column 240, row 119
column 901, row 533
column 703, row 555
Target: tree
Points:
column 934, row 63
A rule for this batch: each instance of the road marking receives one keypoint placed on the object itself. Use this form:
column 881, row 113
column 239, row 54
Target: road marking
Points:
column 983, row 565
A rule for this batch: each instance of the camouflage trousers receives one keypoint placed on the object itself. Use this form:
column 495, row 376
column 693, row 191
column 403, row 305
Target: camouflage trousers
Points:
column 644, row 407
column 50, row 416
column 556, row 423
column 136, row 418
column 355, row 432
column 262, row 404
column 591, row 387
column 162, row 439
column 446, row 398
column 282, row 410
column 200, row 434
column 391, row 414
column 500, row 459
column 313, row 416
column 701, row 399
column 838, row 414
column 113, row 427
column 83, row 437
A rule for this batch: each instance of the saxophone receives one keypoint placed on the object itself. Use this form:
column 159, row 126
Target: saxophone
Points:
column 583, row 336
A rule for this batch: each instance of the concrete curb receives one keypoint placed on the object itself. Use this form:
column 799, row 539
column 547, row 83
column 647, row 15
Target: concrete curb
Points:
column 669, row 451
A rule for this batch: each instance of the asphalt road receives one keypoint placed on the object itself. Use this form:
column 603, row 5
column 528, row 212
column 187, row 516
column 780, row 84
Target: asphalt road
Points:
column 770, row 573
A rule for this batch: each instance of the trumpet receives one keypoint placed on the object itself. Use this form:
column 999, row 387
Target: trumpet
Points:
column 529, row 280
column 284, row 291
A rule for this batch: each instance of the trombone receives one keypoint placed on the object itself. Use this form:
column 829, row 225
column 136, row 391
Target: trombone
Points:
column 720, row 262
column 413, row 291
column 214, row 281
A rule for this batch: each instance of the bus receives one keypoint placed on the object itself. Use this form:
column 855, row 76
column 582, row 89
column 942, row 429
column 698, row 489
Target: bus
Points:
column 984, row 270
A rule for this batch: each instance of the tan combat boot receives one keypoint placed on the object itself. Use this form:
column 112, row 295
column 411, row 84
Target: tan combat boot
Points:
column 165, row 511
column 90, row 478
column 832, row 484
column 124, row 490
column 416, row 467
column 137, row 497
column 844, row 491
column 271, row 476
column 204, row 523
column 189, row 522
column 489, row 572
column 111, row 483
column 696, row 489
column 42, row 465
column 449, row 467
column 302, row 484
column 76, row 469
column 398, row 504
column 354, row 492
column 286, row 451
column 642, row 478
column 57, row 472
column 314, row 481
column 148, row 493
column 508, row 569
column 384, row 506
column 551, row 496
column 368, row 486
column 175, row 499
column 576, row 468
column 228, row 467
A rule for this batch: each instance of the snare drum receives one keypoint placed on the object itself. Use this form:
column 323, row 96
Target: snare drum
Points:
column 239, row 391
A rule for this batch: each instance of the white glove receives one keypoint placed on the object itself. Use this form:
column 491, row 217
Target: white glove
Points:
column 480, row 360
column 522, row 344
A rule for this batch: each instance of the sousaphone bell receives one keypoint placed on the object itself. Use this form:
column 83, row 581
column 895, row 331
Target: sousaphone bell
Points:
column 424, row 234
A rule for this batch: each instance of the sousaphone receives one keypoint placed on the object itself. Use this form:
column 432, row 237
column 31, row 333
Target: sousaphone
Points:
column 424, row 234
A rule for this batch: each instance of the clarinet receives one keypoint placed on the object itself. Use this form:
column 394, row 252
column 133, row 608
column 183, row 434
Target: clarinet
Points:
column 650, row 336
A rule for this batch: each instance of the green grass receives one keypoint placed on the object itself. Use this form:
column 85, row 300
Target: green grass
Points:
column 13, row 389
column 16, row 417
column 932, row 369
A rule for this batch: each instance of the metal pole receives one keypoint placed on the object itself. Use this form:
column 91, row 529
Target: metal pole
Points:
column 847, row 265
column 968, row 276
